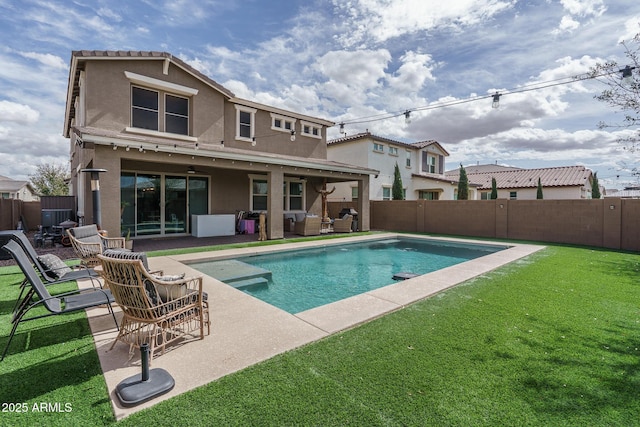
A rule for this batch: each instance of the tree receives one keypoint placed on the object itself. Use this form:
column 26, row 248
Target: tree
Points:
column 624, row 95
column 463, row 185
column 494, row 189
column 595, row 187
column 50, row 180
column 397, row 192
column 539, row 193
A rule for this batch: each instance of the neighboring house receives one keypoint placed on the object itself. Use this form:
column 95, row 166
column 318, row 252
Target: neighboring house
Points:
column 565, row 182
column 175, row 143
column 14, row 189
column 421, row 166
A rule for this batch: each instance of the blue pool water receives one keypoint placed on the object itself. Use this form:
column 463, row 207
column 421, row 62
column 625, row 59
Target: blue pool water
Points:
column 309, row 278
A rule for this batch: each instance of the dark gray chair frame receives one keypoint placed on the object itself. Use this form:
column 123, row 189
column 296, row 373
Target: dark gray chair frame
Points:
column 47, row 274
column 57, row 304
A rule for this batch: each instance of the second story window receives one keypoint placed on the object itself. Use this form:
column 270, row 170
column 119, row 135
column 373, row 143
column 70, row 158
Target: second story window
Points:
column 281, row 123
column 144, row 108
column 378, row 147
column 393, row 151
column 408, row 161
column 245, row 123
column 176, row 115
column 311, row 129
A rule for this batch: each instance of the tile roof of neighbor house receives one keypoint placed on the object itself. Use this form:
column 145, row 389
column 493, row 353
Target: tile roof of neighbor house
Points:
column 362, row 135
column 8, row 184
column 564, row 176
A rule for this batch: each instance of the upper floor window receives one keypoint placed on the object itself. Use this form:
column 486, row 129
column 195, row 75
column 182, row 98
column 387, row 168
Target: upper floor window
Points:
column 408, row 161
column 144, row 108
column 311, row 129
column 176, row 116
column 393, row 151
column 431, row 163
column 281, row 123
column 378, row 147
column 245, row 123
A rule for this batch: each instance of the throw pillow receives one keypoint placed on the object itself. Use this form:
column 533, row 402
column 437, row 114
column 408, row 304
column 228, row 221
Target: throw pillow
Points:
column 170, row 292
column 54, row 264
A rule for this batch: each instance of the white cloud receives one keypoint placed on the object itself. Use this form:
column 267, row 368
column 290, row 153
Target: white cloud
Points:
column 382, row 20
column 631, row 28
column 567, row 24
column 19, row 113
column 46, row 59
column 584, row 7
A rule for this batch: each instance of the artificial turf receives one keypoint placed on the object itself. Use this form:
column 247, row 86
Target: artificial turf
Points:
column 552, row 339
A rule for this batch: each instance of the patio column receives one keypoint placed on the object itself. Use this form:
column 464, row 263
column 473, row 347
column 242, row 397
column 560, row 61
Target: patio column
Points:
column 275, row 212
column 364, row 213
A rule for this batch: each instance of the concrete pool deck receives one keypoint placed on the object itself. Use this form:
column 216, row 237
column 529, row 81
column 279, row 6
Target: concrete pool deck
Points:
column 246, row 331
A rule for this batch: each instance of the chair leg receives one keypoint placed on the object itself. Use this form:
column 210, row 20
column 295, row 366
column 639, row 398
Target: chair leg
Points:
column 13, row 331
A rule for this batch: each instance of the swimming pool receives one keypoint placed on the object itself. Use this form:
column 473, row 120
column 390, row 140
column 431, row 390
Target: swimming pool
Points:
column 296, row 281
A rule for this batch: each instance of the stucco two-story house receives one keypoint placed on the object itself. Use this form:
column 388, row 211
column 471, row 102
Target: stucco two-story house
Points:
column 175, row 143
column 421, row 165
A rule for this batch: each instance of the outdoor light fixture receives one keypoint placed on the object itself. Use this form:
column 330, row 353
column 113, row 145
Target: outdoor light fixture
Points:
column 293, row 135
column 496, row 100
column 342, row 128
column 114, row 146
column 141, row 149
column 627, row 75
column 191, row 170
column 127, row 148
column 156, row 149
column 197, row 146
column 407, row 117
column 95, row 192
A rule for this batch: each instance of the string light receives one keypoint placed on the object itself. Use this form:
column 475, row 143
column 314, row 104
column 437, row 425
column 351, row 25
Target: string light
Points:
column 494, row 101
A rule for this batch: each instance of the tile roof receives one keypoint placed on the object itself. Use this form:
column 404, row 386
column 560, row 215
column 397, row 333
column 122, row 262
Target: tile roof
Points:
column 362, row 135
column 564, row 176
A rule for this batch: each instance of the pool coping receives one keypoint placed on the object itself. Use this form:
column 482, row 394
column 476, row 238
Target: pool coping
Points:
column 246, row 331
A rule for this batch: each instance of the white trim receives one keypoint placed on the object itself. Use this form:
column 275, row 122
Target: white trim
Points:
column 252, row 131
column 160, row 84
column 283, row 119
column 159, row 134
column 247, row 103
column 312, row 126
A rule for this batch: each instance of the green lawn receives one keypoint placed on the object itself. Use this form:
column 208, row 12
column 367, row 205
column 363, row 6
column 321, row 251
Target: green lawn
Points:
column 551, row 340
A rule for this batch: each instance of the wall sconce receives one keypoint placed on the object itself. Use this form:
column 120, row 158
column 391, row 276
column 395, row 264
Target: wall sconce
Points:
column 496, row 100
column 293, row 135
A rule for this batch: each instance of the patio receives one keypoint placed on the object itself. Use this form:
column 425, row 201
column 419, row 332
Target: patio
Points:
column 245, row 331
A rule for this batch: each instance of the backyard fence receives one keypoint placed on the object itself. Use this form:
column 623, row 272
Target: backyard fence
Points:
column 609, row 223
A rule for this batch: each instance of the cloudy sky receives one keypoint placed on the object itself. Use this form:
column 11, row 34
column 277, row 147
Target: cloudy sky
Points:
column 360, row 62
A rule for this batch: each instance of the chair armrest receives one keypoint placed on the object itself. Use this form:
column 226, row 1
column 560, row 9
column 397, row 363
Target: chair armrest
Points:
column 112, row 242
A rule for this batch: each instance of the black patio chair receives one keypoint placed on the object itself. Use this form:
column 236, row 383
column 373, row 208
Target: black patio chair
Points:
column 51, row 268
column 55, row 304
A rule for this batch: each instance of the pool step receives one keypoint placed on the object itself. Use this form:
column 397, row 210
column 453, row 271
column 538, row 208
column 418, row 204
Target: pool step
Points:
column 252, row 282
column 235, row 273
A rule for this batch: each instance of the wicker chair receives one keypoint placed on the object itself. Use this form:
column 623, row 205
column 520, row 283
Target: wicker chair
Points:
column 343, row 225
column 155, row 311
column 309, row 226
column 87, row 243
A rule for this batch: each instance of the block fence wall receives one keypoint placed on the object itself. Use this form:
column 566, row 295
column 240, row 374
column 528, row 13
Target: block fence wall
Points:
column 609, row 223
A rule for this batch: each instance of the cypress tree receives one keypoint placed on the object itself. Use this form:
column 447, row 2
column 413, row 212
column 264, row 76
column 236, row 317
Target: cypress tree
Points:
column 397, row 192
column 463, row 184
column 595, row 187
column 539, row 194
column 494, row 189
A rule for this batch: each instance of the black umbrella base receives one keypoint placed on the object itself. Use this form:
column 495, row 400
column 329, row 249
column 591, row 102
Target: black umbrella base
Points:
column 134, row 390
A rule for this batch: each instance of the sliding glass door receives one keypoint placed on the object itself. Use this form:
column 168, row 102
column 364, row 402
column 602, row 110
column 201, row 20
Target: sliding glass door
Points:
column 157, row 204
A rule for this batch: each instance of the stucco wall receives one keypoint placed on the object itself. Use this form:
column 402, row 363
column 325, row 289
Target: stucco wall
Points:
column 610, row 223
